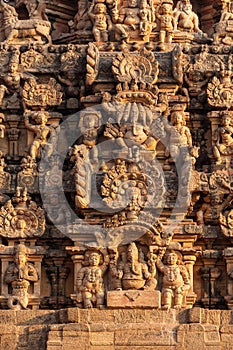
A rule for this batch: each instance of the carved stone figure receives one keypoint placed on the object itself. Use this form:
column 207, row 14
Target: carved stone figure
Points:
column 90, row 284
column 185, row 19
column 101, row 21
column 179, row 134
column 126, row 19
column 35, row 8
column 166, row 20
column 34, row 28
column 223, row 139
column 82, row 22
column 131, row 270
column 41, row 130
column 20, row 276
column 224, row 29
column 175, row 280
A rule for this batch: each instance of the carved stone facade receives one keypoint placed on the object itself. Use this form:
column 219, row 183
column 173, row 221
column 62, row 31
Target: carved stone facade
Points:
column 116, row 154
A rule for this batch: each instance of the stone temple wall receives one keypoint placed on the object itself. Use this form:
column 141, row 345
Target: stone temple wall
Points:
column 122, row 329
column 116, row 146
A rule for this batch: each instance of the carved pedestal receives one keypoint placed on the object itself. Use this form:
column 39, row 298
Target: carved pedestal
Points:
column 134, row 299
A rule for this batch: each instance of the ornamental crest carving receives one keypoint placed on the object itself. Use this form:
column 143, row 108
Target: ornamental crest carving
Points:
column 42, row 95
column 20, row 217
column 126, row 186
column 220, row 93
column 226, row 222
column 140, row 68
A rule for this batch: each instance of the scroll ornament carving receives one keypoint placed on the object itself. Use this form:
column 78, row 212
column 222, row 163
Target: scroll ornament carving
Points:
column 125, row 186
column 92, row 63
column 20, row 217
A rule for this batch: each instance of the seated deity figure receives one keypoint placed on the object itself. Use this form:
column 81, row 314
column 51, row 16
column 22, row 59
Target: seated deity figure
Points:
column 175, row 280
column 185, row 19
column 127, row 19
column 224, row 29
column 132, row 270
column 223, row 139
column 90, row 284
column 19, row 275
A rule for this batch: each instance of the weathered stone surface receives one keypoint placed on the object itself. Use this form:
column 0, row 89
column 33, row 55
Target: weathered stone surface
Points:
column 133, row 299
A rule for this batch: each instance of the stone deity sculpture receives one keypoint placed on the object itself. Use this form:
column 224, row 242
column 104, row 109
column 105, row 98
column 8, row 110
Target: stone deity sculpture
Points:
column 223, row 139
column 132, row 270
column 19, row 275
column 90, row 284
column 175, row 280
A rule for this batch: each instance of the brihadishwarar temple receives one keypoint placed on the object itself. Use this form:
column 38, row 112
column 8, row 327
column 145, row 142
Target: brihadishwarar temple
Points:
column 116, row 174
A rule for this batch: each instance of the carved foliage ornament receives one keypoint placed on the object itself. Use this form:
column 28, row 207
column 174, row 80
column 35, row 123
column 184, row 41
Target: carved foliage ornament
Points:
column 20, row 217
column 220, row 94
column 42, row 95
column 140, row 68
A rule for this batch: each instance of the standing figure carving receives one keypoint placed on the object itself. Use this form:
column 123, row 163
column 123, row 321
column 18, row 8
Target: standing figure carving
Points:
column 175, row 280
column 90, row 284
column 19, row 276
column 223, row 139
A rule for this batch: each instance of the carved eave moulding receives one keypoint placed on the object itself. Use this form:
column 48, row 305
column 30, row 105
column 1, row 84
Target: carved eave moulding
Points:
column 20, row 217
column 42, row 95
column 139, row 68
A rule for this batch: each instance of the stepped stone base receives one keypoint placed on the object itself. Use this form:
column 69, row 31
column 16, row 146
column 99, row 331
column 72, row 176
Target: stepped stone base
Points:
column 128, row 329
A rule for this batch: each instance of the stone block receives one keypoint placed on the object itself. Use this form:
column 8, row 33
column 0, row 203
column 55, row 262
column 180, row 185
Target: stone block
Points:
column 97, row 316
column 126, row 316
column 161, row 316
column 225, row 317
column 211, row 335
column 102, row 339
column 195, row 315
column 150, row 337
column 134, row 299
column 214, row 317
